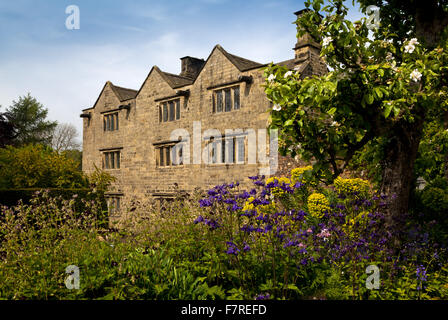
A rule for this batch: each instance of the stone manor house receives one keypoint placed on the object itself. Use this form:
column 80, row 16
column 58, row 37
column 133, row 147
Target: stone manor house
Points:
column 128, row 132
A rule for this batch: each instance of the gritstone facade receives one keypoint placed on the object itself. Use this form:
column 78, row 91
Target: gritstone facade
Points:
column 129, row 133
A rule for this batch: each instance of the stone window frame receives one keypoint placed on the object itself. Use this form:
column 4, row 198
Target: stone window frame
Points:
column 165, row 105
column 111, row 119
column 220, row 94
column 113, row 202
column 107, row 164
column 164, row 149
column 221, row 157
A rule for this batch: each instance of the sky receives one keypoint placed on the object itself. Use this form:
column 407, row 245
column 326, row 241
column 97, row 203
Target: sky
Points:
column 119, row 41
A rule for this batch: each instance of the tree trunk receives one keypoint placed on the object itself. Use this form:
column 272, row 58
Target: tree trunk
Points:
column 401, row 153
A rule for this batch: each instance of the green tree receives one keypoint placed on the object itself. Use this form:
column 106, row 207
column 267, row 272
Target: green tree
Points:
column 29, row 119
column 384, row 85
column 6, row 129
column 38, row 166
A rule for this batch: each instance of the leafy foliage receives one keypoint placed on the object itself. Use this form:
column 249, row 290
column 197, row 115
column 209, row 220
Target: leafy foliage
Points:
column 28, row 118
column 38, row 166
column 238, row 244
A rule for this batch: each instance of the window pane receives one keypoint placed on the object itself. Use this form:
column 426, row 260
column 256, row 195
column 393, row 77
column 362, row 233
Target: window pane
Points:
column 173, row 155
column 118, row 204
column 171, row 103
column 228, row 100
column 214, row 152
column 106, row 155
column 230, row 142
column 219, row 101
column 117, row 160
column 165, row 112
column 177, row 109
column 160, row 114
column 241, row 150
column 104, row 124
column 112, row 160
column 168, row 162
column 112, row 126
column 223, row 150
column 236, row 98
column 162, row 163
column 181, row 155
column 107, row 123
column 214, row 104
column 116, row 121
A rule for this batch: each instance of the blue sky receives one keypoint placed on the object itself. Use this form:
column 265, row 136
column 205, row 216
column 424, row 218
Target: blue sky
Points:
column 120, row 41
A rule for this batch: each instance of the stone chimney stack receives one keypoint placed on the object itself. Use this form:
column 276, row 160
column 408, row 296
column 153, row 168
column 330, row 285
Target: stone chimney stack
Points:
column 307, row 50
column 191, row 66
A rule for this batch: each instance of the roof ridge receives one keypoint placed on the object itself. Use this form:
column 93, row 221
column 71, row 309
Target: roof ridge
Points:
column 176, row 75
column 119, row 87
column 241, row 63
column 122, row 96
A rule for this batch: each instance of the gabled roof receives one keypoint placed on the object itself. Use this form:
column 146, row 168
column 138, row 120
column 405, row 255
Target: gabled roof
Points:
column 241, row 63
column 123, row 93
column 176, row 81
column 292, row 64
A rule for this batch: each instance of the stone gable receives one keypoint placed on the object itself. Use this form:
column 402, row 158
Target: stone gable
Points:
column 223, row 92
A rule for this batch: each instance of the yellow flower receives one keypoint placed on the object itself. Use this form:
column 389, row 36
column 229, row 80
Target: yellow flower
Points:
column 318, row 204
column 276, row 191
column 361, row 219
column 249, row 206
column 357, row 187
column 297, row 174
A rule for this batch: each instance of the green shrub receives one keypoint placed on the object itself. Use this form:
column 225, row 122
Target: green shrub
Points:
column 38, row 166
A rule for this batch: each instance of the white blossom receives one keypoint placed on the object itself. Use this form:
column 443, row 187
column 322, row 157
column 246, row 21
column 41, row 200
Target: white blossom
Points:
column 414, row 42
column 326, row 41
column 288, row 74
column 335, row 124
column 277, row 107
column 389, row 56
column 410, row 47
column 271, row 77
column 416, row 75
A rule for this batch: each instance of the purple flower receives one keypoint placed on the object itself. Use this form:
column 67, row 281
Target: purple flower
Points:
column 421, row 276
column 198, row 219
column 235, row 207
column 244, row 195
column 298, row 185
column 263, row 297
column 205, row 203
column 232, row 248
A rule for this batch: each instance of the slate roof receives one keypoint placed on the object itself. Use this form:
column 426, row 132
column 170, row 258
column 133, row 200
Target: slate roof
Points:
column 292, row 64
column 123, row 93
column 241, row 63
column 176, row 81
